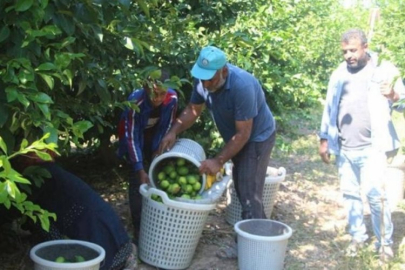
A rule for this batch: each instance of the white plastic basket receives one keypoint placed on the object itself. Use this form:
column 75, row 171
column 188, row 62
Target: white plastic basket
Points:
column 170, row 230
column 233, row 210
column 262, row 244
column 183, row 148
column 44, row 255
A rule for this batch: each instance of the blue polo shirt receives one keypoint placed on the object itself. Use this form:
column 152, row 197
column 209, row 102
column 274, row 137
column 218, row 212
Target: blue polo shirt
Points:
column 241, row 98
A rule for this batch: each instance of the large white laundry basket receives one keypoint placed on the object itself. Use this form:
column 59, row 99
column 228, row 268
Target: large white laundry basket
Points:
column 183, row 148
column 233, row 210
column 44, row 255
column 262, row 244
column 170, row 230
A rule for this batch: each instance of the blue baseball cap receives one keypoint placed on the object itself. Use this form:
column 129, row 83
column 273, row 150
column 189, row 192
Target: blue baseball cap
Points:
column 209, row 61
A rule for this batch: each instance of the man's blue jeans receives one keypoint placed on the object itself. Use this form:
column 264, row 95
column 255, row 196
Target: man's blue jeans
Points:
column 364, row 170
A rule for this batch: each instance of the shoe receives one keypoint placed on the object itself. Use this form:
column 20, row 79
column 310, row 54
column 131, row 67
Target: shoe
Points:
column 228, row 252
column 132, row 260
column 354, row 247
column 386, row 253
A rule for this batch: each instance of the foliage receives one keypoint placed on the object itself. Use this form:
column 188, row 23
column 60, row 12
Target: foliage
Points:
column 14, row 187
column 389, row 39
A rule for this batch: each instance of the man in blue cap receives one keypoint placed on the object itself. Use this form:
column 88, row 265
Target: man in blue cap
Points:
column 238, row 106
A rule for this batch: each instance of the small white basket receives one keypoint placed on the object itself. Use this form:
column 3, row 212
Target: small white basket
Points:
column 170, row 230
column 183, row 148
column 262, row 244
column 45, row 253
column 233, row 210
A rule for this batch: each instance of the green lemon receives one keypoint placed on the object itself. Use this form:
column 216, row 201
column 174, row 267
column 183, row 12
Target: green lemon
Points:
column 60, row 259
column 168, row 169
column 182, row 180
column 186, row 196
column 197, row 186
column 182, row 170
column 79, row 258
column 191, row 179
column 189, row 189
column 175, row 188
column 198, row 197
column 173, row 175
column 164, row 184
column 161, row 175
column 180, row 162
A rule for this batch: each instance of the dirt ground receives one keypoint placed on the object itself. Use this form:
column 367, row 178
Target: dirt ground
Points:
column 308, row 201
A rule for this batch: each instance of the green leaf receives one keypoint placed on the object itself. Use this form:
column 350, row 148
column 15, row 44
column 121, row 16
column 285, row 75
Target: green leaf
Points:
column 63, row 60
column 43, row 155
column 44, row 222
column 16, row 177
column 69, row 76
column 23, row 5
column 48, row 79
column 53, row 138
column 128, row 43
column 6, row 166
column 8, row 138
column 46, row 66
column 3, row 145
column 4, row 33
column 80, row 127
column 82, row 86
column 144, row 7
column 12, row 189
column 12, row 93
column 24, row 144
column 43, row 3
column 66, row 22
column 41, row 98
column 3, row 193
column 45, row 110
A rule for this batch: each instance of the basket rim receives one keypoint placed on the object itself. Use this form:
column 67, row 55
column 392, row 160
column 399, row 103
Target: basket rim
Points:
column 285, row 236
column 147, row 192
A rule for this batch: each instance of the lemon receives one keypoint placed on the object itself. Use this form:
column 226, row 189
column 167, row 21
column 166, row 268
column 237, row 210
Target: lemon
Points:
column 161, row 175
column 174, row 188
column 164, row 184
column 180, row 162
column 191, row 179
column 168, row 169
column 182, row 170
column 173, row 175
column 186, row 196
column 197, row 186
column 189, row 189
column 79, row 258
column 182, row 180
column 60, row 259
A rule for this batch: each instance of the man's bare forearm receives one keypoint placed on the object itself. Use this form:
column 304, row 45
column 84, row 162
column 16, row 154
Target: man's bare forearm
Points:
column 186, row 119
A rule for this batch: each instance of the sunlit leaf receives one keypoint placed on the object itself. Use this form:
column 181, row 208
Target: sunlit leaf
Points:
column 46, row 66
column 3, row 145
column 48, row 79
